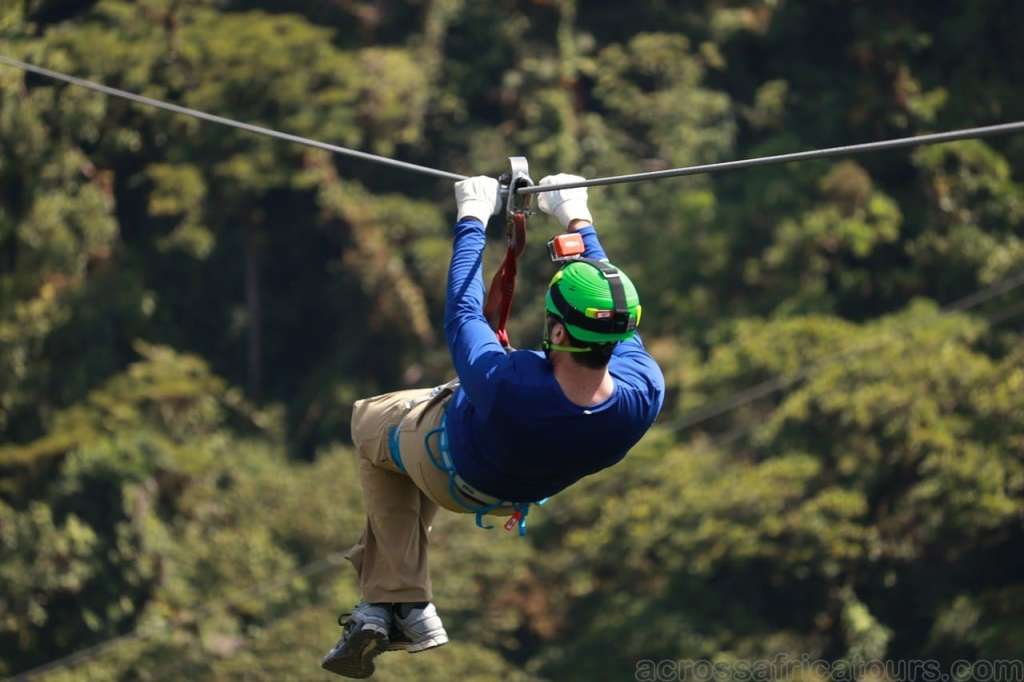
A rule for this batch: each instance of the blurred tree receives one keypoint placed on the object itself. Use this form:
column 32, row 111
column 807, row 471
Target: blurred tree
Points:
column 187, row 313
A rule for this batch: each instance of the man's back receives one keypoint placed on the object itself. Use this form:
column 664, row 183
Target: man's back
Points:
column 534, row 442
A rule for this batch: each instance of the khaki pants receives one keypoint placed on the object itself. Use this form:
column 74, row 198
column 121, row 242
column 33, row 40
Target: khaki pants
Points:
column 391, row 556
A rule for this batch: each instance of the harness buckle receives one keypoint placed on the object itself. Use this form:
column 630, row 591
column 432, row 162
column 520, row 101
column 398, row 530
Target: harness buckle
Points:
column 513, row 521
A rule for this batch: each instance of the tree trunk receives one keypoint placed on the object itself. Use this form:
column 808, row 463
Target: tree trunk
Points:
column 253, row 309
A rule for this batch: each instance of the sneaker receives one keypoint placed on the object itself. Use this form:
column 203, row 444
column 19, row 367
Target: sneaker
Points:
column 421, row 626
column 397, row 641
column 364, row 636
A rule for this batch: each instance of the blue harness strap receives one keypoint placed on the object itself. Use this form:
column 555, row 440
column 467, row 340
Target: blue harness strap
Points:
column 443, row 461
column 396, row 455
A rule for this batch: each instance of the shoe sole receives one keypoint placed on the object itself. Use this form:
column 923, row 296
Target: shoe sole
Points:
column 401, row 645
column 356, row 658
column 426, row 645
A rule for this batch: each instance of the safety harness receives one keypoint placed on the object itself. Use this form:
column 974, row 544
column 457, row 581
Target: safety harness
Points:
column 458, row 489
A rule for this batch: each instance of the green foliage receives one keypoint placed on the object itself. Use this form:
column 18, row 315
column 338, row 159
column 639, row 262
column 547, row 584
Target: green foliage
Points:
column 817, row 253
column 652, row 86
column 976, row 214
column 187, row 312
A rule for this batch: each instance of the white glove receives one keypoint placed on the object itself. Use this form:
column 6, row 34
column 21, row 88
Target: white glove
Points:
column 477, row 197
column 565, row 205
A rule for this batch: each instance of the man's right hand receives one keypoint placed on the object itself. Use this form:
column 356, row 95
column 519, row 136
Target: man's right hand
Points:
column 477, row 197
column 566, row 205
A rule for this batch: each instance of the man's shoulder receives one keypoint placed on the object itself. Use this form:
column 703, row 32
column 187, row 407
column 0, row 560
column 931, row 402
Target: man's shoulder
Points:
column 637, row 369
column 527, row 367
column 518, row 369
column 525, row 377
column 529, row 356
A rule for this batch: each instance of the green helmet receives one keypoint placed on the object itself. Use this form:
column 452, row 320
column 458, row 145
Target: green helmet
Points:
column 595, row 300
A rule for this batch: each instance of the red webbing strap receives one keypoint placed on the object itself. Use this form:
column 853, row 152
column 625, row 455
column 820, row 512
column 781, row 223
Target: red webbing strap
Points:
column 503, row 285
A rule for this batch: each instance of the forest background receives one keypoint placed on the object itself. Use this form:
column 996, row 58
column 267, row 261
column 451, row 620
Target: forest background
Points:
column 188, row 311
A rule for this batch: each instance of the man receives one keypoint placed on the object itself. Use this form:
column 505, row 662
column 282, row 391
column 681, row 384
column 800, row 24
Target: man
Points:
column 515, row 428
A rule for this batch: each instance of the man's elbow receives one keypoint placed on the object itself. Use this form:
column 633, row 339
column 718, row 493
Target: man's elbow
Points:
column 451, row 331
column 453, row 327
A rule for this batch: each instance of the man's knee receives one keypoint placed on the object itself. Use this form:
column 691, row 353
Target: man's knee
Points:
column 370, row 419
column 358, row 415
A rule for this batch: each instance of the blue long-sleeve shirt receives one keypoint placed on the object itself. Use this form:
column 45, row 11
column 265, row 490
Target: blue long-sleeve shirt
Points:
column 513, row 433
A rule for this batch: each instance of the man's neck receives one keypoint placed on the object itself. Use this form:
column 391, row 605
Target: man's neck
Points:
column 581, row 385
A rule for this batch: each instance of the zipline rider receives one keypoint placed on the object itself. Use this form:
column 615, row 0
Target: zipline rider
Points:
column 515, row 428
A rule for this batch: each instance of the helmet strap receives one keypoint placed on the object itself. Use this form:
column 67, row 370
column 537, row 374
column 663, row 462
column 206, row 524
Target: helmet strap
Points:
column 548, row 346
column 617, row 290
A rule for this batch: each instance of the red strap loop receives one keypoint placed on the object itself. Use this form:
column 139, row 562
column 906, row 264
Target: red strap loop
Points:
column 498, row 305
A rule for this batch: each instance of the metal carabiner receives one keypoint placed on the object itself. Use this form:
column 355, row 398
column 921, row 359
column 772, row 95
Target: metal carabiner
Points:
column 517, row 206
column 517, row 178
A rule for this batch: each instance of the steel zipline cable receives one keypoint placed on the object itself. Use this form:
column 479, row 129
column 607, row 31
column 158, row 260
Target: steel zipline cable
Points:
column 846, row 150
column 259, row 130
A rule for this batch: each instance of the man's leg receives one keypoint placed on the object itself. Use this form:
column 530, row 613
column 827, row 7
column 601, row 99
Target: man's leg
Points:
column 391, row 556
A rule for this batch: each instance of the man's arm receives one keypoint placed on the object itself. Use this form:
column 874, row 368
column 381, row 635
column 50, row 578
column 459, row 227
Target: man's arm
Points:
column 591, row 244
column 569, row 207
column 475, row 350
